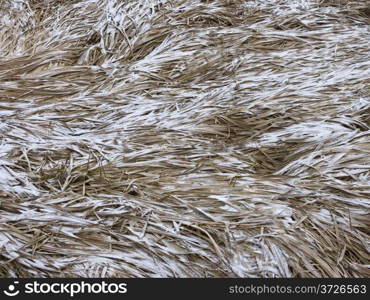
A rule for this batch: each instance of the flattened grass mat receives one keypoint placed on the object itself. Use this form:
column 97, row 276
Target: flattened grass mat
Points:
column 187, row 138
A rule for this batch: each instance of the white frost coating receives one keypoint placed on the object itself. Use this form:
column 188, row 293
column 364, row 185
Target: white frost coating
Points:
column 5, row 177
column 306, row 131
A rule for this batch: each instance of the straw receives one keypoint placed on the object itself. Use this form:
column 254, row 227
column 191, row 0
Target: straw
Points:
column 155, row 138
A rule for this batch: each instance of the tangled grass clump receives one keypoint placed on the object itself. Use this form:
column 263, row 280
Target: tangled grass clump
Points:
column 189, row 138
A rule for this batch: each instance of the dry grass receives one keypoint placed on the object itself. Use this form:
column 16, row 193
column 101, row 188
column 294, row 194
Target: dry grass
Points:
column 187, row 138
